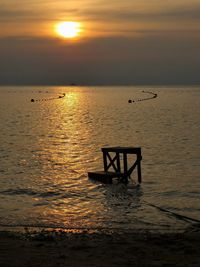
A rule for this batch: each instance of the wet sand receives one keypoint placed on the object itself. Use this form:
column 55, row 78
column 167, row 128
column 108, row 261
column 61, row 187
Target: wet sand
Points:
column 86, row 248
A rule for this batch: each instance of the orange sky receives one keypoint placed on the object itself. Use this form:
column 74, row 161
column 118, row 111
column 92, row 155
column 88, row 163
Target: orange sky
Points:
column 99, row 17
column 129, row 32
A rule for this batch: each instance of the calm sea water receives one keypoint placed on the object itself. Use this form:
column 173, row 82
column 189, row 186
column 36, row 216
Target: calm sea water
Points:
column 48, row 146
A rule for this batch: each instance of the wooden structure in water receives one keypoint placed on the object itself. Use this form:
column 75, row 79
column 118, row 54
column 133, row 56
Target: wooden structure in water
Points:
column 116, row 158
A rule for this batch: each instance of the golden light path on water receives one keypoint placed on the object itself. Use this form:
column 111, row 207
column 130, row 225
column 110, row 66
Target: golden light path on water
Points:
column 48, row 147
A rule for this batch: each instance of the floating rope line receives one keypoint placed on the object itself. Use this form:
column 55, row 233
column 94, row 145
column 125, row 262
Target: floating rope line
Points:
column 153, row 95
column 178, row 216
column 48, row 99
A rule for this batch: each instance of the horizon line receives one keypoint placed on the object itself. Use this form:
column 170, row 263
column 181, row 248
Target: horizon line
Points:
column 106, row 84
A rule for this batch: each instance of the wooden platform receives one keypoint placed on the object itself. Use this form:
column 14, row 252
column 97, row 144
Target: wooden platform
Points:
column 120, row 149
column 112, row 160
column 102, row 176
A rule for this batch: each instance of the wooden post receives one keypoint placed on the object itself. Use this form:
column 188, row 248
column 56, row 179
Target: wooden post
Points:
column 125, row 166
column 139, row 157
column 105, row 161
column 118, row 162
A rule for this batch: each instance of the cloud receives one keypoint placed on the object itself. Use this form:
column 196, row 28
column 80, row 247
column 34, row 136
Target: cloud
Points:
column 184, row 13
column 100, row 18
column 152, row 53
column 28, row 14
column 100, row 11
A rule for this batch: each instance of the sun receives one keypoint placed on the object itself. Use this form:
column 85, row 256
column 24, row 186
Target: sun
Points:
column 68, row 29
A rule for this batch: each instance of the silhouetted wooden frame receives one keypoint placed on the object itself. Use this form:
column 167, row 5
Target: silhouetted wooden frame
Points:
column 115, row 163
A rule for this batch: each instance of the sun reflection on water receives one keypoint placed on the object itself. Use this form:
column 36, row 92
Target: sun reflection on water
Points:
column 49, row 146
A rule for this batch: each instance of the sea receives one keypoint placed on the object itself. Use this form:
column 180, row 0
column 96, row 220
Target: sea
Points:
column 51, row 137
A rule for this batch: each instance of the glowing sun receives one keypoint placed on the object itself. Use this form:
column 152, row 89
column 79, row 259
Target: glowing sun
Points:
column 68, row 29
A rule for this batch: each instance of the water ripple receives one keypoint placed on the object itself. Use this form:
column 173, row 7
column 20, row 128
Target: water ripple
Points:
column 48, row 147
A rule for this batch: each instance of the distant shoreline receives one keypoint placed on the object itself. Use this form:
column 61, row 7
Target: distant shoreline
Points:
column 101, row 85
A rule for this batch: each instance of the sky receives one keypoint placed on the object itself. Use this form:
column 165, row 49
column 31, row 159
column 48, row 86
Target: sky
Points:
column 120, row 42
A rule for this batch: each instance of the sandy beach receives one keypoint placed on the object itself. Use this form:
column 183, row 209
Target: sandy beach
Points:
column 97, row 248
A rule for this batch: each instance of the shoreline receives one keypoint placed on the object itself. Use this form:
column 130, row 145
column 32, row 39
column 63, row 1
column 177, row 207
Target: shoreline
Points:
column 99, row 248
